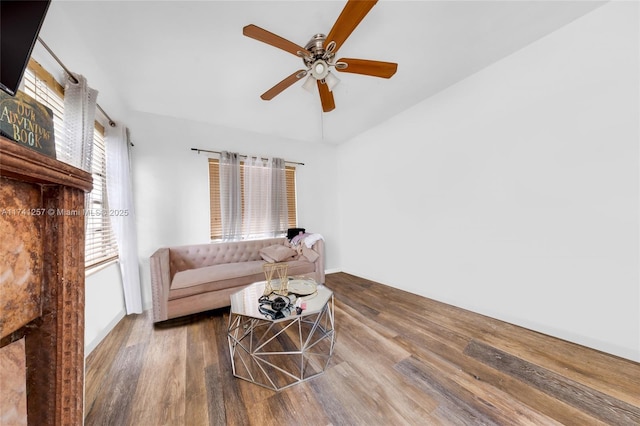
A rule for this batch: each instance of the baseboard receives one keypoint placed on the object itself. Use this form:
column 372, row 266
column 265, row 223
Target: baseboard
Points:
column 89, row 347
column 365, row 276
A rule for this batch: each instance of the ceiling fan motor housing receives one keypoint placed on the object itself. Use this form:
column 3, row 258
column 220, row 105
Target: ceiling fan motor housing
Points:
column 316, row 45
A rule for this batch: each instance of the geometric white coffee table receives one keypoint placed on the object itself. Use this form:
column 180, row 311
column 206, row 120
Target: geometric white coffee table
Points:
column 278, row 353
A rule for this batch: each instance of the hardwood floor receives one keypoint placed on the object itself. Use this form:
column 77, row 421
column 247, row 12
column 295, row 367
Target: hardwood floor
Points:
column 399, row 359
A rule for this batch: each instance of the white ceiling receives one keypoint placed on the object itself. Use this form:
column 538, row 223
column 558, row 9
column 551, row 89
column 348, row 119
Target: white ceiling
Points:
column 190, row 60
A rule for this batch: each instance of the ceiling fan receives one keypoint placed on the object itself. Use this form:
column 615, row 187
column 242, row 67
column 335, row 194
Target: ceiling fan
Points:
column 318, row 55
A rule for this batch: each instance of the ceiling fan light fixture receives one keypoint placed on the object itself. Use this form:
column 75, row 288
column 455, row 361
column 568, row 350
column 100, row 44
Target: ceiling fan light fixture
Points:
column 309, row 84
column 332, row 81
column 319, row 69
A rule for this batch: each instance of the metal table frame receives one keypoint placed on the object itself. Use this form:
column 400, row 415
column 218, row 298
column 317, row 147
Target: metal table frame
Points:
column 280, row 353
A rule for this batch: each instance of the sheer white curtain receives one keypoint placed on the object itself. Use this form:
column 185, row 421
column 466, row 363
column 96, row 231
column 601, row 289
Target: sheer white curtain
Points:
column 265, row 197
column 230, row 196
column 278, row 205
column 257, row 192
column 79, row 117
column 120, row 198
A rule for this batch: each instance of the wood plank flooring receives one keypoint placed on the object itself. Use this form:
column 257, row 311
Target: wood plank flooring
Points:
column 399, row 359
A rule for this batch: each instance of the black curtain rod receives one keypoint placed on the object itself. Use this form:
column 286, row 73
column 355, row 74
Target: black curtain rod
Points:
column 241, row 155
column 71, row 76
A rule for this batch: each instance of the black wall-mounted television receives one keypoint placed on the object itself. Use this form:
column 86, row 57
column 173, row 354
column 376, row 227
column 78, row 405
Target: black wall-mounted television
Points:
column 20, row 23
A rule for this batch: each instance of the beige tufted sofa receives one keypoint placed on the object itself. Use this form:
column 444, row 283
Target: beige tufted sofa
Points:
column 197, row 278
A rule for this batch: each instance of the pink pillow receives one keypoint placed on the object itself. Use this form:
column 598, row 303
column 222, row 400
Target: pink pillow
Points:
column 277, row 253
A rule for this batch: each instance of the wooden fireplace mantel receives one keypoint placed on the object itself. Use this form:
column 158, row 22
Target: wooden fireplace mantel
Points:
column 42, row 278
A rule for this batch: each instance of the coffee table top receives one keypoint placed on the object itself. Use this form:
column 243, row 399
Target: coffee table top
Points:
column 245, row 302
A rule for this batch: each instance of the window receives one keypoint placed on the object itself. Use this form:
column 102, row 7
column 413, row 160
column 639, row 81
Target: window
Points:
column 100, row 243
column 214, row 196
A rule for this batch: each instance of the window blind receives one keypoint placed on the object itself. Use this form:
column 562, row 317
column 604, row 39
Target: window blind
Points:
column 100, row 241
column 292, row 200
column 41, row 86
column 214, row 199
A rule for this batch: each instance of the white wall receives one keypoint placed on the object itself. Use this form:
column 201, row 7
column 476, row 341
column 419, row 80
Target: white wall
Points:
column 171, row 183
column 104, row 304
column 523, row 202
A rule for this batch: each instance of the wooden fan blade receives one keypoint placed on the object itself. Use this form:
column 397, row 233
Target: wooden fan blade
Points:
column 366, row 67
column 326, row 97
column 278, row 88
column 354, row 12
column 272, row 39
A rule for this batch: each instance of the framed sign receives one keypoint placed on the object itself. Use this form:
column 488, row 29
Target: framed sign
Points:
column 27, row 122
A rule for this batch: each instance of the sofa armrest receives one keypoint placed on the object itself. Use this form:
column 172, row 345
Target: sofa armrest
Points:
column 318, row 247
column 160, row 283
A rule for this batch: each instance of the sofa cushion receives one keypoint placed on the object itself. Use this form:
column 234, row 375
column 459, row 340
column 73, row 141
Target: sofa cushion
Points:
column 217, row 277
column 277, row 253
column 221, row 272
